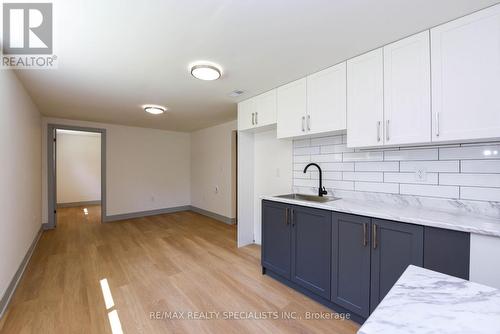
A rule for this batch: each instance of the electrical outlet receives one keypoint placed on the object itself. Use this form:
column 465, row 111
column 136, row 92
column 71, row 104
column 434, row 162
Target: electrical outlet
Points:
column 421, row 175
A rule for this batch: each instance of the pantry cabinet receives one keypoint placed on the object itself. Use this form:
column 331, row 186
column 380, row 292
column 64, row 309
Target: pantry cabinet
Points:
column 257, row 112
column 466, row 77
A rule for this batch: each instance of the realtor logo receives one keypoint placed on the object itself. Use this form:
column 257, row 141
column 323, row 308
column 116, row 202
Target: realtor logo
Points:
column 27, row 28
column 27, row 36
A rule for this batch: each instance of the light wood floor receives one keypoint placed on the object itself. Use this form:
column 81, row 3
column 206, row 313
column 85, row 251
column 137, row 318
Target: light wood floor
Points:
column 166, row 263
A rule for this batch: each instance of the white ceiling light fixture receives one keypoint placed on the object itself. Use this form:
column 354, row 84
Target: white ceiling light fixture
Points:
column 206, row 71
column 154, row 110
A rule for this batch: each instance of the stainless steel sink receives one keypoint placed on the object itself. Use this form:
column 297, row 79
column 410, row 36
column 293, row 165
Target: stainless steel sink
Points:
column 309, row 198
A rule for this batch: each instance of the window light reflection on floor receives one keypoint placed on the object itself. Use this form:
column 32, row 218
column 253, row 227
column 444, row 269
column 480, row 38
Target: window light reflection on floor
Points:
column 114, row 319
column 85, row 211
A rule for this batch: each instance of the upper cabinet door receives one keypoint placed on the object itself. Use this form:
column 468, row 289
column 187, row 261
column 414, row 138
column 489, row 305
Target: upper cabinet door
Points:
column 407, row 91
column 466, row 77
column 365, row 100
column 291, row 112
column 266, row 108
column 246, row 114
column 326, row 100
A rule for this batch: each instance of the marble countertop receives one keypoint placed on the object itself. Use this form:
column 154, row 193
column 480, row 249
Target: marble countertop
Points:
column 425, row 301
column 458, row 221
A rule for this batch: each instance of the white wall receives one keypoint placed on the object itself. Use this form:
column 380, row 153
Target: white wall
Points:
column 147, row 169
column 78, row 166
column 484, row 261
column 20, row 203
column 264, row 168
column 212, row 150
column 272, row 172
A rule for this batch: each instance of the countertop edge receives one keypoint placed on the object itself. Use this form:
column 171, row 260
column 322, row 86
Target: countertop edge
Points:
column 409, row 220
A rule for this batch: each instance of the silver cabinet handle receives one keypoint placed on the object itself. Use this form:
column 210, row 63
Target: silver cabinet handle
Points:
column 308, row 122
column 286, row 216
column 256, row 118
column 303, row 121
column 374, row 236
column 365, row 236
column 387, row 131
column 253, row 118
column 378, row 131
column 437, row 124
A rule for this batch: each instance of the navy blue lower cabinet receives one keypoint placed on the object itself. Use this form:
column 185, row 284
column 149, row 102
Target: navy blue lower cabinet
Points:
column 394, row 246
column 276, row 238
column 351, row 262
column 311, row 249
column 447, row 251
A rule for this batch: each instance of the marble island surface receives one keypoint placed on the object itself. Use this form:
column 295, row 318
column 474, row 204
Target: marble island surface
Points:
column 425, row 301
column 420, row 215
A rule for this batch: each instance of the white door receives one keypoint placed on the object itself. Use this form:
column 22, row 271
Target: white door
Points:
column 407, row 91
column 465, row 57
column 266, row 108
column 246, row 114
column 326, row 100
column 365, row 100
column 291, row 112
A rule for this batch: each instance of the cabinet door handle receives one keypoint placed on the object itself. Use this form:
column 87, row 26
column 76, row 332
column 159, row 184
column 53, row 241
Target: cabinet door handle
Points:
column 437, row 123
column 253, row 118
column 387, row 131
column 256, row 118
column 378, row 131
column 286, row 216
column 365, row 237
column 303, row 121
column 308, row 122
column 374, row 236
column 292, row 217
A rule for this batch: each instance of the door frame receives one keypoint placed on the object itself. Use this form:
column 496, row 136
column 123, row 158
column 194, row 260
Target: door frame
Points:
column 51, row 170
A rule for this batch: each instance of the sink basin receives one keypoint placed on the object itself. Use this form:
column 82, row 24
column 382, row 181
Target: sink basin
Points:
column 309, row 198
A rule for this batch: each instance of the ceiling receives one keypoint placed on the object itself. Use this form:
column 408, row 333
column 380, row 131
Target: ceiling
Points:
column 117, row 55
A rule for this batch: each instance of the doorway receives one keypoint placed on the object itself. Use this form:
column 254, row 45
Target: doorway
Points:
column 76, row 160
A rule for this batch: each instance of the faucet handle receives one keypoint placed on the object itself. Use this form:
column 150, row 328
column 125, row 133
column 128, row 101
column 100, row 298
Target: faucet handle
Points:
column 323, row 191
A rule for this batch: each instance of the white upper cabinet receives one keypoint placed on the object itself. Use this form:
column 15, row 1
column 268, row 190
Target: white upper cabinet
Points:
column 365, row 100
column 466, row 77
column 407, row 91
column 292, row 109
column 326, row 100
column 258, row 111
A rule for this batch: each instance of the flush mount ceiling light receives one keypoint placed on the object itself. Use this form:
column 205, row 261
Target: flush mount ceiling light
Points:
column 154, row 110
column 207, row 72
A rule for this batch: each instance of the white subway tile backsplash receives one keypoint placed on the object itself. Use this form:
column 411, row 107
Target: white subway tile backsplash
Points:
column 477, row 180
column 332, row 140
column 337, row 166
column 419, row 154
column 364, row 176
column 301, row 158
column 383, row 166
column 470, row 152
column 341, row 185
column 305, row 183
column 336, row 157
column 331, row 175
column 430, row 178
column 480, row 166
column 431, row 166
column 306, row 150
column 465, row 171
column 480, row 194
column 340, row 148
column 428, row 190
column 364, row 156
column 377, row 187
